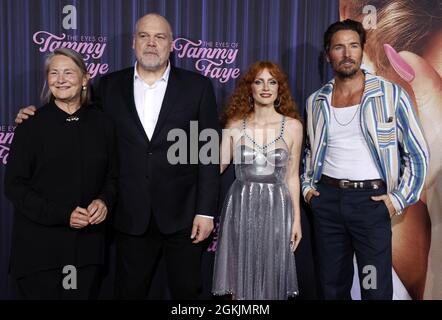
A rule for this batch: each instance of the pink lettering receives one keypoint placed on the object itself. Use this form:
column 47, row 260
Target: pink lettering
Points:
column 49, row 42
column 209, row 60
column 213, row 70
column 4, row 153
column 6, row 138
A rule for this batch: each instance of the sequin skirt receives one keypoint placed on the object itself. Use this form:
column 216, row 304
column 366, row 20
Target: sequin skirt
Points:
column 253, row 259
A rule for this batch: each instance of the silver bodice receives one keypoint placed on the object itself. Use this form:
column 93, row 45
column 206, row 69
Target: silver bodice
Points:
column 253, row 165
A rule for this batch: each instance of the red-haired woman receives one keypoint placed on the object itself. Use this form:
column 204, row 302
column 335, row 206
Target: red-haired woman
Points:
column 260, row 223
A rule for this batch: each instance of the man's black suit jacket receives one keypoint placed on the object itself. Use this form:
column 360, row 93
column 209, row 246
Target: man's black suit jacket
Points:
column 148, row 183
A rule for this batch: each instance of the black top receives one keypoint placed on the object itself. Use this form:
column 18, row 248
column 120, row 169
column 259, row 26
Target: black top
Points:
column 58, row 162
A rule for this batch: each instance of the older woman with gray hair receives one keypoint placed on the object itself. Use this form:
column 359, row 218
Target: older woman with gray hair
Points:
column 61, row 178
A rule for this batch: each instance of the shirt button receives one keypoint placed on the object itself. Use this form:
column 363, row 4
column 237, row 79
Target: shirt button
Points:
column 149, row 153
column 320, row 164
column 324, row 144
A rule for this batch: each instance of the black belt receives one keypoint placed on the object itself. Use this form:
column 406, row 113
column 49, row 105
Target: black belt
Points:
column 352, row 184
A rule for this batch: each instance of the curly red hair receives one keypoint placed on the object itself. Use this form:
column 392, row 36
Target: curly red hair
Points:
column 238, row 106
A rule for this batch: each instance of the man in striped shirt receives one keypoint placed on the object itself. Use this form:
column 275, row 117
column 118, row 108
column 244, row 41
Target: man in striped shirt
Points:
column 366, row 160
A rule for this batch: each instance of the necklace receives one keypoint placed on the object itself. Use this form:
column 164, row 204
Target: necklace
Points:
column 333, row 110
column 264, row 147
column 345, row 124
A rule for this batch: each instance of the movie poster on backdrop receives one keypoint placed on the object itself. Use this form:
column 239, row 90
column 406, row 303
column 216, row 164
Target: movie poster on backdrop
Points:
column 404, row 45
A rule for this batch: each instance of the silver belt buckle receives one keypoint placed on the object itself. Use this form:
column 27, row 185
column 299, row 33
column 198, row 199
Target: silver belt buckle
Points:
column 343, row 184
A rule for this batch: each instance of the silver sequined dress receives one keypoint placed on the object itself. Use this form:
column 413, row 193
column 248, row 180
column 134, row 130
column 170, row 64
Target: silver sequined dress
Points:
column 253, row 258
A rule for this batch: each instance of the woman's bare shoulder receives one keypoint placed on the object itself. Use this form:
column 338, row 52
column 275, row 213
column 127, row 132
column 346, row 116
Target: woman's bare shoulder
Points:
column 234, row 124
column 293, row 125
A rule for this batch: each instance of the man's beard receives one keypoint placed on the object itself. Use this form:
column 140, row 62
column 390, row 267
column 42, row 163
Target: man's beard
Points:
column 150, row 65
column 347, row 73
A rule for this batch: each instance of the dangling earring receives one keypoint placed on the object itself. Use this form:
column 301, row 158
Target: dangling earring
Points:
column 277, row 102
column 251, row 103
column 84, row 88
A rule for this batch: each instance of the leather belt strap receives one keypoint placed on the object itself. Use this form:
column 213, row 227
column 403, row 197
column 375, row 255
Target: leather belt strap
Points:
column 352, row 184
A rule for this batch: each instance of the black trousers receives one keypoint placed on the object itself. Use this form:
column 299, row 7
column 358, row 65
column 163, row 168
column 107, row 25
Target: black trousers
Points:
column 138, row 257
column 348, row 222
column 48, row 285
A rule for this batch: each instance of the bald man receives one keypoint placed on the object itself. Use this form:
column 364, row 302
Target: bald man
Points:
column 162, row 208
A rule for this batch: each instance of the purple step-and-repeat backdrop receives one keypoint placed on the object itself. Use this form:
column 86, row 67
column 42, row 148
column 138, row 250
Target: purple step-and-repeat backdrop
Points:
column 218, row 38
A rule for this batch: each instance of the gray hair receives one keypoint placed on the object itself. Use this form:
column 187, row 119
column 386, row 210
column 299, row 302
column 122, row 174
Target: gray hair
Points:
column 46, row 94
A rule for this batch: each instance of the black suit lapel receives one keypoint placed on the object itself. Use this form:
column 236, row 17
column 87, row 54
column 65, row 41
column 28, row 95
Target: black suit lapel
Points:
column 169, row 101
column 128, row 94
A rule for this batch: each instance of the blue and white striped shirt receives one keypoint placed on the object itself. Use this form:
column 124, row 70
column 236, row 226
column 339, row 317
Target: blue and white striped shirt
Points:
column 391, row 130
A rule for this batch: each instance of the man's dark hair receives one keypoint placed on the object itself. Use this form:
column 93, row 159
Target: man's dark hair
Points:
column 347, row 24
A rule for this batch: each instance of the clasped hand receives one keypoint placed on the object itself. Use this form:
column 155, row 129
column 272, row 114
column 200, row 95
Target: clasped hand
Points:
column 95, row 213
